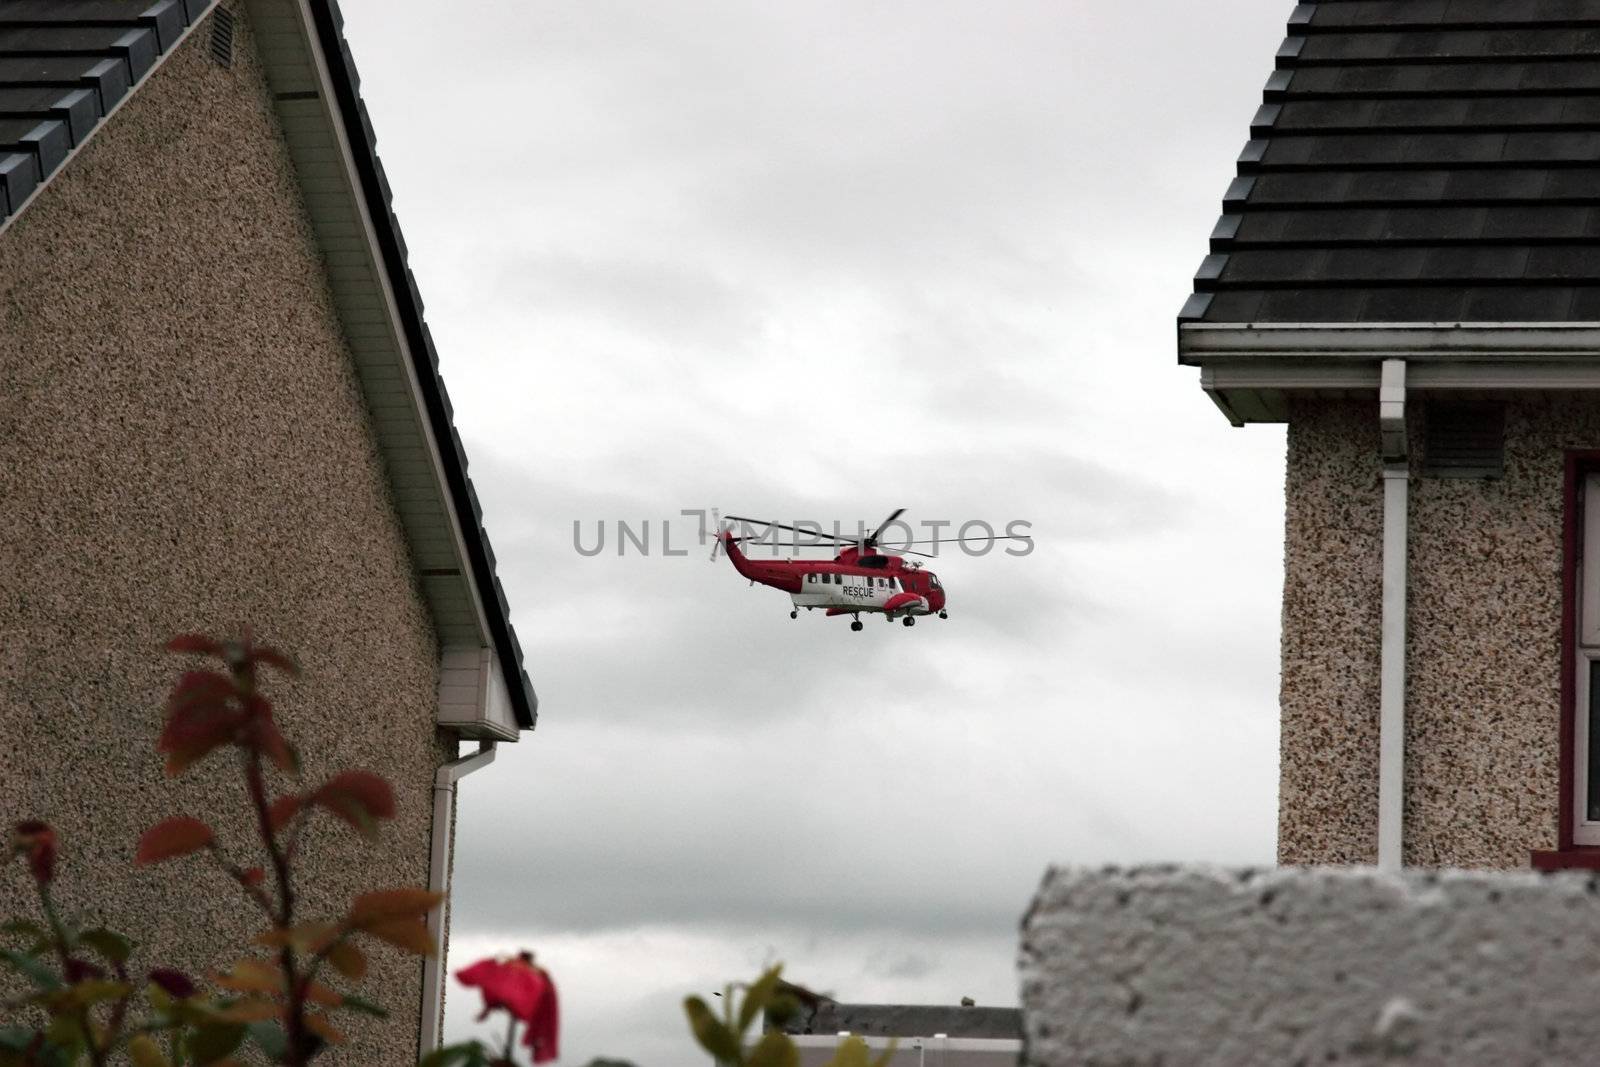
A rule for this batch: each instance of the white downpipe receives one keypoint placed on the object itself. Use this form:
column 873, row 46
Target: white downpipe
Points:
column 1392, row 671
column 444, row 794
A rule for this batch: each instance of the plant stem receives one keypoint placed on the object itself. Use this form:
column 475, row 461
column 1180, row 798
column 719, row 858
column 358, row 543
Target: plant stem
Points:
column 294, row 1015
column 58, row 934
column 511, row 1034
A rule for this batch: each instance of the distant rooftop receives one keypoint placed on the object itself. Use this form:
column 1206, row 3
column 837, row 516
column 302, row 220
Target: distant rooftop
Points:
column 823, row 1015
column 1418, row 161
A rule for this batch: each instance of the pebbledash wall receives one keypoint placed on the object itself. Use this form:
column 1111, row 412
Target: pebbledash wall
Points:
column 185, row 447
column 1483, row 702
column 1301, row 967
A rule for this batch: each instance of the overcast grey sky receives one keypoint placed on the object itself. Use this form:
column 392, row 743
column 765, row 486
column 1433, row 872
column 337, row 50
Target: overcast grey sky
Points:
column 821, row 260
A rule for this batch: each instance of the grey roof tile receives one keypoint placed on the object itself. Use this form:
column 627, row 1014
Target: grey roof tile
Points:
column 1419, row 160
column 64, row 64
column 1585, row 305
column 1513, row 304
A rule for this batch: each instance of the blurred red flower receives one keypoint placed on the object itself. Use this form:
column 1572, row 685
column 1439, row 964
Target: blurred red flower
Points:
column 526, row 992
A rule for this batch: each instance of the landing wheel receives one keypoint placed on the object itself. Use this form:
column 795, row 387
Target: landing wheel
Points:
column 795, row 614
column 908, row 621
column 856, row 625
column 944, row 615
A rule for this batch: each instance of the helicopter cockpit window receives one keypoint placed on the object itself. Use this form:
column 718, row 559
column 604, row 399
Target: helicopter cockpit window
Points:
column 933, row 580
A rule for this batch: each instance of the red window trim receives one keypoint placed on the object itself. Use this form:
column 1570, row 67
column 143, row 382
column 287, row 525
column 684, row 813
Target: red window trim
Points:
column 1577, row 858
column 1567, row 854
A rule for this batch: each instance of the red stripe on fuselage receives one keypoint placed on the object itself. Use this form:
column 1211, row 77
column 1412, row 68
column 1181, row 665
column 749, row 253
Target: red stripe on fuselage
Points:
column 787, row 574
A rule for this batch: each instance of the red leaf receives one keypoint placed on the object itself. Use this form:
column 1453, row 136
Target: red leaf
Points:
column 253, row 876
column 173, row 837
column 206, row 690
column 270, row 743
column 408, row 934
column 77, row 970
column 283, row 809
column 389, row 904
column 174, row 983
column 191, row 733
column 198, row 644
column 37, row 841
column 359, row 798
column 273, row 657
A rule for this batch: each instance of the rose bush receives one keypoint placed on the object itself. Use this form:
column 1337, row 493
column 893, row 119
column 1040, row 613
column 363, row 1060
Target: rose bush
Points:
column 86, row 1001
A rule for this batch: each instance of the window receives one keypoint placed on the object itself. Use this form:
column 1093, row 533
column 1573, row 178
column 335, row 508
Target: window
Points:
column 1585, row 688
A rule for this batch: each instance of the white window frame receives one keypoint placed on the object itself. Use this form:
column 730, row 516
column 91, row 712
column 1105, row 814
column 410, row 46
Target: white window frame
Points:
column 1584, row 830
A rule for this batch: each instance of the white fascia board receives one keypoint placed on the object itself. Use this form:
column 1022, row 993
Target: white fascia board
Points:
column 1300, row 374
column 1199, row 343
column 383, row 292
column 1287, row 374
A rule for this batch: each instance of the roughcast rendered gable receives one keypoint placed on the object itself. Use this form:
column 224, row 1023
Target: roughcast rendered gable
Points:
column 186, row 447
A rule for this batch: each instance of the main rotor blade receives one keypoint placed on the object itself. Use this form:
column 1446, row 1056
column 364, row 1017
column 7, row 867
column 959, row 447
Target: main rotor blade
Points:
column 945, row 540
column 884, row 525
column 791, row 529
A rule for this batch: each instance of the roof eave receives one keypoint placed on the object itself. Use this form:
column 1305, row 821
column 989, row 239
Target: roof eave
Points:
column 1252, row 370
column 1200, row 343
column 471, row 578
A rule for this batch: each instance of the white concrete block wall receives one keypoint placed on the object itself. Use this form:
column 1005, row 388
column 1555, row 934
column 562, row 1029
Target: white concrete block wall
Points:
column 1311, row 966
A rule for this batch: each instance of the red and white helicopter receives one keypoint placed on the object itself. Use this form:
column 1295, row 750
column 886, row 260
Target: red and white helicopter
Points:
column 859, row 580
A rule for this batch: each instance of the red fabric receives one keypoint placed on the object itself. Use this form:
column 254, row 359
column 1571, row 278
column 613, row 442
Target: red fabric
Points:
column 527, row 993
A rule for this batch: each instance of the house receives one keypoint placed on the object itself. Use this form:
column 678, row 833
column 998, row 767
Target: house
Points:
column 963, row 1035
column 1407, row 273
column 220, row 405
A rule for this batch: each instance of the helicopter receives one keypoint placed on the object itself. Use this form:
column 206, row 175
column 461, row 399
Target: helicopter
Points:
column 860, row 580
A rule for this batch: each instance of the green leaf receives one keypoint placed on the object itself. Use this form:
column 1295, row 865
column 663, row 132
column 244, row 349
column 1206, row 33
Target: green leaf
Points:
column 211, row 1043
column 16, row 1038
column 32, row 969
column 453, row 1054
column 852, row 1052
column 269, row 1038
column 94, row 990
column 781, row 1008
column 65, row 1033
column 713, row 1035
column 113, row 946
column 144, row 1052
column 757, row 996
column 365, row 1007
column 30, row 930
column 775, row 1049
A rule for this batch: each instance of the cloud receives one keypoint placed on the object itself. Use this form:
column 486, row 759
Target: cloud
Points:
column 815, row 261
